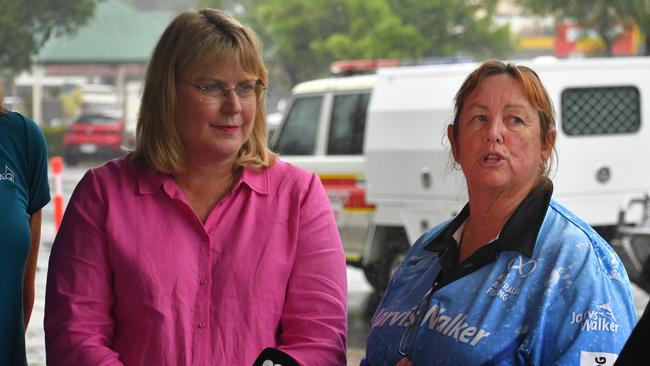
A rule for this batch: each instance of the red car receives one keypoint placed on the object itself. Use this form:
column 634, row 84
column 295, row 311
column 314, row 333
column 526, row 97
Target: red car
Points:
column 93, row 136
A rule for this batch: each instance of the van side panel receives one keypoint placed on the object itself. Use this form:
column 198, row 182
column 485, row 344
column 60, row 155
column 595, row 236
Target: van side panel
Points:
column 408, row 162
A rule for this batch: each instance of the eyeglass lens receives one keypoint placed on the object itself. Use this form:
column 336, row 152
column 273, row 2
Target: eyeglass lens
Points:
column 215, row 91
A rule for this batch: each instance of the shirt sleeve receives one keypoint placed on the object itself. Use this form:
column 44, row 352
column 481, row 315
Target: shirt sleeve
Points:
column 39, row 189
column 589, row 322
column 313, row 323
column 78, row 322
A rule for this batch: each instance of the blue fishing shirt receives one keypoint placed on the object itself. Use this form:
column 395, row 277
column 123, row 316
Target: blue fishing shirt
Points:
column 548, row 291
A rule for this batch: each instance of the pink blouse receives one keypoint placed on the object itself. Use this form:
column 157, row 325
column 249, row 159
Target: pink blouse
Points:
column 135, row 278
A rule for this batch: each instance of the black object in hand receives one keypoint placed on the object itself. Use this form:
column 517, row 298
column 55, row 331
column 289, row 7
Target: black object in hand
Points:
column 274, row 357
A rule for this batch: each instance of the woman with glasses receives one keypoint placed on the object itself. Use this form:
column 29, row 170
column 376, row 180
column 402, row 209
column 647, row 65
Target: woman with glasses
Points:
column 200, row 247
column 514, row 278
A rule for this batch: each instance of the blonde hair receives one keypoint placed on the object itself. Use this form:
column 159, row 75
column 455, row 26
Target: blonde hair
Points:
column 533, row 88
column 193, row 38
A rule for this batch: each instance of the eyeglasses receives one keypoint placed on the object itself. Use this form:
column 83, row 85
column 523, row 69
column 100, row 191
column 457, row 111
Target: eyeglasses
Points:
column 408, row 335
column 215, row 92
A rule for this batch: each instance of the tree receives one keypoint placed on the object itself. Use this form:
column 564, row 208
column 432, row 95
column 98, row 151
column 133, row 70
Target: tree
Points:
column 370, row 30
column 640, row 11
column 26, row 25
column 456, row 26
column 302, row 37
column 296, row 32
column 603, row 15
column 306, row 36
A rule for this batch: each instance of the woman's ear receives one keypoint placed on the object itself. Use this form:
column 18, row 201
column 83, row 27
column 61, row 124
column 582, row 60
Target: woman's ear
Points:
column 452, row 142
column 547, row 147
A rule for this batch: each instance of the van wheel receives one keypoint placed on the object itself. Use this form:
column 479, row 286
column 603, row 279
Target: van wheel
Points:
column 393, row 246
column 606, row 232
column 379, row 273
column 641, row 249
column 644, row 278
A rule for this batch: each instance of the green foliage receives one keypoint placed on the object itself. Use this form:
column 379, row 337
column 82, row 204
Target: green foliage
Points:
column 27, row 25
column 377, row 34
column 456, row 26
column 54, row 140
column 293, row 27
column 602, row 14
column 303, row 37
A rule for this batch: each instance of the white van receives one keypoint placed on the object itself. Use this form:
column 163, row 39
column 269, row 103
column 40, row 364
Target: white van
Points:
column 405, row 164
column 322, row 130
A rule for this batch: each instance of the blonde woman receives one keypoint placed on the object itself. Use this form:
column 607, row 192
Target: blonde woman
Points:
column 200, row 247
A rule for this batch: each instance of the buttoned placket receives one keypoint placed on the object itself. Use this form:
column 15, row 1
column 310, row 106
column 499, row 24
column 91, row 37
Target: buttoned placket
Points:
column 200, row 347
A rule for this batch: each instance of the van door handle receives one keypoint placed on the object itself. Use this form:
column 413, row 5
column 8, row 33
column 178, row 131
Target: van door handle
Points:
column 603, row 175
column 425, row 177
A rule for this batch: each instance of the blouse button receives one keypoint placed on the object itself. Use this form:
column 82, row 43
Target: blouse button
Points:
column 203, row 282
column 200, row 324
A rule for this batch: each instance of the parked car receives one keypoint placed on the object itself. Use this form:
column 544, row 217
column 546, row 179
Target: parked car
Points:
column 94, row 136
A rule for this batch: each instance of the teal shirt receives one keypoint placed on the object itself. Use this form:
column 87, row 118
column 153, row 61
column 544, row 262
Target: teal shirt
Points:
column 23, row 190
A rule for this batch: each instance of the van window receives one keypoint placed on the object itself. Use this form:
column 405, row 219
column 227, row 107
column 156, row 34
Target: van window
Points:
column 348, row 124
column 298, row 134
column 600, row 111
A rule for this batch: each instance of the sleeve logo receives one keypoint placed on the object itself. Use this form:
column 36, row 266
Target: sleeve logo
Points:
column 600, row 318
column 7, row 175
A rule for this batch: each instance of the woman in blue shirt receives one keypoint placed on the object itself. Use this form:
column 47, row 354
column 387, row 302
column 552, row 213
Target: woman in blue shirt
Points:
column 24, row 191
column 515, row 278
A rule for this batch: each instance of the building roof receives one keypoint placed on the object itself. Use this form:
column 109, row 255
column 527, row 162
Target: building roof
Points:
column 115, row 34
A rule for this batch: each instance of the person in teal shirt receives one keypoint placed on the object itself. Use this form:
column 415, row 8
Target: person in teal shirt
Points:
column 24, row 190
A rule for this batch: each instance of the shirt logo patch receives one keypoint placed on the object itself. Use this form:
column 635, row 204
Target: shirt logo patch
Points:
column 7, row 175
column 502, row 289
column 601, row 318
column 597, row 358
column 525, row 267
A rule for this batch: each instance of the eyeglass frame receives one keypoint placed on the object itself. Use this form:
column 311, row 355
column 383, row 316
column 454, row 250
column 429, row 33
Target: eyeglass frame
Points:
column 420, row 309
column 222, row 94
